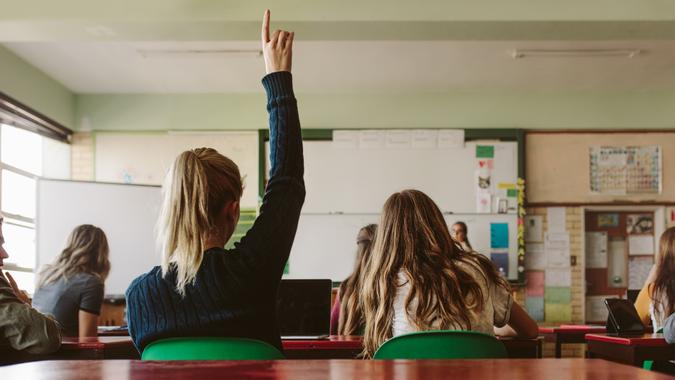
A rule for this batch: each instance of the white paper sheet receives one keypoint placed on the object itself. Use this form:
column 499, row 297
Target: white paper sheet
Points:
column 557, row 247
column 346, row 139
column 534, row 228
column 424, row 139
column 596, row 249
column 450, row 138
column 555, row 217
column 535, row 256
column 638, row 270
column 558, row 277
column 398, row 139
column 640, row 244
column 371, row 139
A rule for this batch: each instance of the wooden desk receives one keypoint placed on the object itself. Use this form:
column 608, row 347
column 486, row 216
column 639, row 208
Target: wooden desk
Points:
column 112, row 331
column 629, row 350
column 349, row 347
column 329, row 369
column 568, row 334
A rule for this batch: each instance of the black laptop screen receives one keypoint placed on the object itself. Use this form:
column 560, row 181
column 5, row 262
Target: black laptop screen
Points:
column 623, row 313
column 303, row 307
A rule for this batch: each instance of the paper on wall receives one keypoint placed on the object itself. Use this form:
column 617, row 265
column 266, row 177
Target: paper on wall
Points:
column 534, row 228
column 640, row 244
column 371, row 139
column 424, row 139
column 558, row 277
column 558, row 312
column 638, row 270
column 346, row 139
column 535, row 283
column 398, row 139
column 558, row 294
column 555, row 217
column 535, row 256
column 557, row 247
column 596, row 249
column 450, row 138
column 535, row 307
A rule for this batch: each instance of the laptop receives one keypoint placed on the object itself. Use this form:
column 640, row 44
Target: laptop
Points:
column 303, row 309
column 623, row 319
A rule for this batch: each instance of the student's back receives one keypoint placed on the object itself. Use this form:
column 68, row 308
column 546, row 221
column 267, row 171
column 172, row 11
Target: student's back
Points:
column 662, row 291
column 202, row 289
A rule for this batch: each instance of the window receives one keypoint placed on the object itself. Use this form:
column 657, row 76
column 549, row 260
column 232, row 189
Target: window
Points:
column 21, row 164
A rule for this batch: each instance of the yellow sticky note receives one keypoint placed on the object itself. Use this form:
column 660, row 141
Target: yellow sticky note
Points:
column 506, row 185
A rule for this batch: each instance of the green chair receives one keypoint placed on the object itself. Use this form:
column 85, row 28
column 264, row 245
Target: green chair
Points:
column 442, row 345
column 210, row 348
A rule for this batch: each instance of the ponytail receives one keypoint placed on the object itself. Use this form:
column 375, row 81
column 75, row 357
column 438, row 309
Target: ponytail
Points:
column 199, row 183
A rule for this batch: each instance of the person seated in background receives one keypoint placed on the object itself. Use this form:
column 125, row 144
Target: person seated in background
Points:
column 22, row 327
column 419, row 280
column 460, row 232
column 71, row 288
column 662, row 291
column 346, row 317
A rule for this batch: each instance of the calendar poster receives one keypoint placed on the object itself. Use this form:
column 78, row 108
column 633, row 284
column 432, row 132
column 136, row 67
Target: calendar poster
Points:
column 625, row 170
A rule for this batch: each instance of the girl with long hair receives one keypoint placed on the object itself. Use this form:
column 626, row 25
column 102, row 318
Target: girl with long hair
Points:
column 460, row 232
column 418, row 279
column 663, row 289
column 71, row 288
column 202, row 289
column 346, row 317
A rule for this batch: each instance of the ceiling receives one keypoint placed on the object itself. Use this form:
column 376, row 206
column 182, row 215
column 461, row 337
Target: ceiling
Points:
column 349, row 66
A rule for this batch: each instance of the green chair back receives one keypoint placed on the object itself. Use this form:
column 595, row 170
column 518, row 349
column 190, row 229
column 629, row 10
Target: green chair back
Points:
column 442, row 345
column 210, row 348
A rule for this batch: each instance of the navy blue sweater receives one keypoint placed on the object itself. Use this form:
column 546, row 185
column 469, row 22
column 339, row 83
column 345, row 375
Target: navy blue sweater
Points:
column 234, row 293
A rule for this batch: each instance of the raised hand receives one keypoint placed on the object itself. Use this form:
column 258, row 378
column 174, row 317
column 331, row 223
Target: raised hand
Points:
column 277, row 50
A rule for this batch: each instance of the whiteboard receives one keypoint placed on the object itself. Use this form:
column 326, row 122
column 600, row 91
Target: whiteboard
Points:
column 126, row 213
column 144, row 158
column 325, row 245
column 360, row 180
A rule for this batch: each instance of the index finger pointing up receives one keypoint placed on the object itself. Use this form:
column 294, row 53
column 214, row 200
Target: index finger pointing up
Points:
column 266, row 27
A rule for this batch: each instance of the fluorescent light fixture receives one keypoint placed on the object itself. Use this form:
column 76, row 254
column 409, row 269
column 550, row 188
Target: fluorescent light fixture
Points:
column 199, row 53
column 564, row 53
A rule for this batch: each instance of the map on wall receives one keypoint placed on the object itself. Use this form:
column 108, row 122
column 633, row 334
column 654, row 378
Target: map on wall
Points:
column 625, row 170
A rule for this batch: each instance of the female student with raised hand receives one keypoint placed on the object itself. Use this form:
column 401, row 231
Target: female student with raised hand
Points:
column 346, row 317
column 419, row 280
column 202, row 289
column 22, row 327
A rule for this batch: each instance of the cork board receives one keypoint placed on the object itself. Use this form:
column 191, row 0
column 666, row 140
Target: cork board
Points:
column 558, row 168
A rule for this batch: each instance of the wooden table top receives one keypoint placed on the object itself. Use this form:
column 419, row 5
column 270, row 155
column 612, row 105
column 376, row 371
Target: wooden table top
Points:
column 95, row 342
column 573, row 329
column 645, row 340
column 350, row 342
column 329, row 369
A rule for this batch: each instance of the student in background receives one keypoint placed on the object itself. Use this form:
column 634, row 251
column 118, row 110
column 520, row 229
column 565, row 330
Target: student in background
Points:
column 71, row 288
column 21, row 326
column 201, row 289
column 460, row 232
column 418, row 279
column 346, row 317
column 662, row 292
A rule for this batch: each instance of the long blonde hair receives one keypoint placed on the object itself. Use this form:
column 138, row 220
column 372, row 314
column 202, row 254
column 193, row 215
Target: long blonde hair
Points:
column 413, row 239
column 199, row 184
column 86, row 251
column 351, row 317
column 664, row 284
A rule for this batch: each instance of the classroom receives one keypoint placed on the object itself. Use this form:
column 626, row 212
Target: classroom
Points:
column 353, row 189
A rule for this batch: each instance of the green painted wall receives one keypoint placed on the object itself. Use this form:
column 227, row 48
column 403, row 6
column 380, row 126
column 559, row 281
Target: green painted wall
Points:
column 34, row 88
column 465, row 109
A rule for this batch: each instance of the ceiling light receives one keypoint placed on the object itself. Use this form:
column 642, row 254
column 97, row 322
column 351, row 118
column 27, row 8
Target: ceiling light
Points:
column 556, row 53
column 192, row 53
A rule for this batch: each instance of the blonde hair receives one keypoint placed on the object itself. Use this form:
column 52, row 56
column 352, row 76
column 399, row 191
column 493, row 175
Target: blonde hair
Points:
column 413, row 239
column 86, row 251
column 351, row 316
column 199, row 183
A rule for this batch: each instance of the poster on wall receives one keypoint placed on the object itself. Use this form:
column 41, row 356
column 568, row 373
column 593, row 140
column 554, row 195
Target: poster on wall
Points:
column 625, row 170
column 640, row 224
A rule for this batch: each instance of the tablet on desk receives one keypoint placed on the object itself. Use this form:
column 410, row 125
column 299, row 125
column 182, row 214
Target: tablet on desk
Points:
column 303, row 309
column 623, row 319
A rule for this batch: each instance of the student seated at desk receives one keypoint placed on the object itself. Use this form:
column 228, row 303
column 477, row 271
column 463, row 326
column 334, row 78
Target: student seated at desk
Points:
column 22, row 327
column 662, row 292
column 201, row 289
column 460, row 232
column 346, row 317
column 71, row 288
column 418, row 279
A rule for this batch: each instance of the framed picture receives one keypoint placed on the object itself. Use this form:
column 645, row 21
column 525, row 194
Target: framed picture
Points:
column 608, row 220
column 640, row 224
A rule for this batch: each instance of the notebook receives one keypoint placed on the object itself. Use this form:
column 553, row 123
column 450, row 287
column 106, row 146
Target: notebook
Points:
column 303, row 309
column 623, row 319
